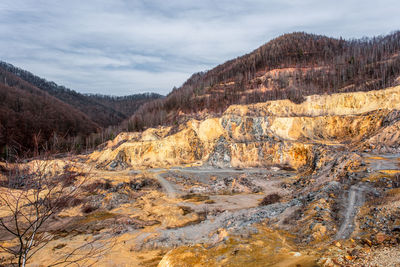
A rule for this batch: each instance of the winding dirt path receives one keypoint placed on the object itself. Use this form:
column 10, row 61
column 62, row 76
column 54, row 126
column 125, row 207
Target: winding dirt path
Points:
column 357, row 192
column 168, row 187
column 355, row 200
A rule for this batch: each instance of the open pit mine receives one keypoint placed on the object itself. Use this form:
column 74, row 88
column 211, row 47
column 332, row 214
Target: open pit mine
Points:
column 267, row 184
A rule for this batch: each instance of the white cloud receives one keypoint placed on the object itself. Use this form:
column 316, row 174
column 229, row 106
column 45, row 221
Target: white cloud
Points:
column 142, row 45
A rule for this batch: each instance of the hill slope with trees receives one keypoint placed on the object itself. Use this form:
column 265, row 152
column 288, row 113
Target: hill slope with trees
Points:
column 37, row 115
column 102, row 109
column 288, row 67
column 31, row 120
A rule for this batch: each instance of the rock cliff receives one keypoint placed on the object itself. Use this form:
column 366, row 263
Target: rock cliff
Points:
column 264, row 134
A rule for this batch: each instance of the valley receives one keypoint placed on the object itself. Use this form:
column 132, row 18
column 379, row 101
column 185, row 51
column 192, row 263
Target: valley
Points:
column 268, row 184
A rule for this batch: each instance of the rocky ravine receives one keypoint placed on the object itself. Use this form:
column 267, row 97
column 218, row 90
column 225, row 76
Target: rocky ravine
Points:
column 269, row 184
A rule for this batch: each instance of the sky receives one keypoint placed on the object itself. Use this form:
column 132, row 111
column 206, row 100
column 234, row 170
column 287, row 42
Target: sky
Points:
column 121, row 47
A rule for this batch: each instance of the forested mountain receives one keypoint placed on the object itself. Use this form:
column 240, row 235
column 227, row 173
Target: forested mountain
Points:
column 37, row 115
column 103, row 110
column 31, row 120
column 290, row 66
column 126, row 105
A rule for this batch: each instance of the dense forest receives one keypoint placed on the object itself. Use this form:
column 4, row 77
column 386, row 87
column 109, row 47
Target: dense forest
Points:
column 125, row 105
column 32, row 120
column 288, row 67
column 102, row 109
column 38, row 116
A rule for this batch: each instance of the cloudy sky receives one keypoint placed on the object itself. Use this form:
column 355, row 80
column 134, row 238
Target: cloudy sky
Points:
column 123, row 47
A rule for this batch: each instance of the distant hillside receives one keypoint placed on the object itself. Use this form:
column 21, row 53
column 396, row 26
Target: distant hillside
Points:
column 126, row 105
column 103, row 110
column 31, row 120
column 37, row 115
column 290, row 66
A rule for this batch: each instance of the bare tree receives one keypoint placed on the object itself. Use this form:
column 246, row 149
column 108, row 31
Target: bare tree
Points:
column 29, row 196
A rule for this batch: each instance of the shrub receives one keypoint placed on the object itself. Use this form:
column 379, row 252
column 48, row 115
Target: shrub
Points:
column 89, row 208
column 270, row 199
column 396, row 181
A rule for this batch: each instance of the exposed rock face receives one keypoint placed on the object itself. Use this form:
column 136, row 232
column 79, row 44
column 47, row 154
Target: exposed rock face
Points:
column 387, row 139
column 324, row 105
column 264, row 134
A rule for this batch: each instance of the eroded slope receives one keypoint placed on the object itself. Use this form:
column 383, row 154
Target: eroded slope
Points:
column 259, row 135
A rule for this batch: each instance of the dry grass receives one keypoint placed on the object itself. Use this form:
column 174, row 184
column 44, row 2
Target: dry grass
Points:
column 98, row 216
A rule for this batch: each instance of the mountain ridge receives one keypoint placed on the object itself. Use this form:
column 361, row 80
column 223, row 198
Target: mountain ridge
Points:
column 73, row 121
column 287, row 67
column 91, row 104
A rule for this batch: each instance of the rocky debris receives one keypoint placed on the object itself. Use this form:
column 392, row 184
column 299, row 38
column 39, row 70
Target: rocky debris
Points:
column 120, row 162
column 381, row 224
column 106, row 186
column 92, row 203
column 223, row 181
column 125, row 223
column 391, row 118
column 106, row 195
column 329, row 203
column 266, row 247
column 319, row 231
column 221, row 156
column 237, row 221
column 233, row 185
column 360, row 253
column 115, row 200
column 386, row 140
